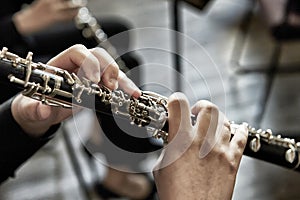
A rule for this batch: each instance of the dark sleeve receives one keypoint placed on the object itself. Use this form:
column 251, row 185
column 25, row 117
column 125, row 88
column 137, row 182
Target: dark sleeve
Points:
column 9, row 35
column 15, row 146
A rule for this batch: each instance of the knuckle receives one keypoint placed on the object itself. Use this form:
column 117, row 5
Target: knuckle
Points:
column 233, row 167
column 207, row 106
column 223, row 158
column 110, row 61
column 78, row 47
column 237, row 154
column 226, row 160
column 98, row 50
column 114, row 66
column 176, row 99
column 241, row 143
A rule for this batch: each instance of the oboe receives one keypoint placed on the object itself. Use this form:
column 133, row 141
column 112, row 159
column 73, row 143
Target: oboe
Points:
column 57, row 87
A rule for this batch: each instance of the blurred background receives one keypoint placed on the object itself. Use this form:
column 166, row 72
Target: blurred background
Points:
column 228, row 55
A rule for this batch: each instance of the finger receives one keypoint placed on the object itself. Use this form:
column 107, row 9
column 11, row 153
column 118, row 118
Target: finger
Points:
column 210, row 127
column 207, row 117
column 128, row 86
column 75, row 57
column 26, row 109
column 77, row 3
column 25, row 113
column 35, row 111
column 67, row 10
column 68, row 5
column 80, row 3
column 223, row 123
column 34, row 117
column 53, row 115
column 179, row 115
column 208, row 114
column 66, row 15
column 109, row 68
column 239, row 140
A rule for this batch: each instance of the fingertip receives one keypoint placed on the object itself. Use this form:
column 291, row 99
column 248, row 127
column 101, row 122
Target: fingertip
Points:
column 243, row 129
column 239, row 139
column 111, row 83
column 178, row 100
column 128, row 85
column 177, row 97
column 93, row 76
column 178, row 106
column 204, row 105
column 114, row 83
column 137, row 93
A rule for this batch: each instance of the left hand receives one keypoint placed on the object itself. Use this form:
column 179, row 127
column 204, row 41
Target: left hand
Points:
column 95, row 64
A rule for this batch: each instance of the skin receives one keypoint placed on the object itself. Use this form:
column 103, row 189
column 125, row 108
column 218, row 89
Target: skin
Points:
column 190, row 175
column 95, row 64
column 33, row 18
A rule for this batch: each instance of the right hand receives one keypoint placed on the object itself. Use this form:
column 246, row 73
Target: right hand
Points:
column 43, row 13
column 201, row 161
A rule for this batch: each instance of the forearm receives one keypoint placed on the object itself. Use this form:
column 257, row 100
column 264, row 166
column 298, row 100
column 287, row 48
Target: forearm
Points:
column 15, row 145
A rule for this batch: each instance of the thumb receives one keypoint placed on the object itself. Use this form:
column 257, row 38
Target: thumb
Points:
column 180, row 130
column 43, row 112
column 179, row 114
column 53, row 115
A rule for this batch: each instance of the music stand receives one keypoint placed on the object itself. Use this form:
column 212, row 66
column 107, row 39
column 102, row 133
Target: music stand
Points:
column 200, row 4
column 177, row 27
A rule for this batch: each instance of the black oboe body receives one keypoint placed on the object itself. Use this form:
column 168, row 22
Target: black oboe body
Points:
column 57, row 87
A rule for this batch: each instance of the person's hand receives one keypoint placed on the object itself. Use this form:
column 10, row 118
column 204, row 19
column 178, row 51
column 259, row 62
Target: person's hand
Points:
column 44, row 13
column 201, row 160
column 95, row 64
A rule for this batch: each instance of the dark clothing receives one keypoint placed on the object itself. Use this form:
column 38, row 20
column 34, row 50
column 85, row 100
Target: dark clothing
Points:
column 15, row 146
column 53, row 40
column 285, row 30
column 8, row 33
